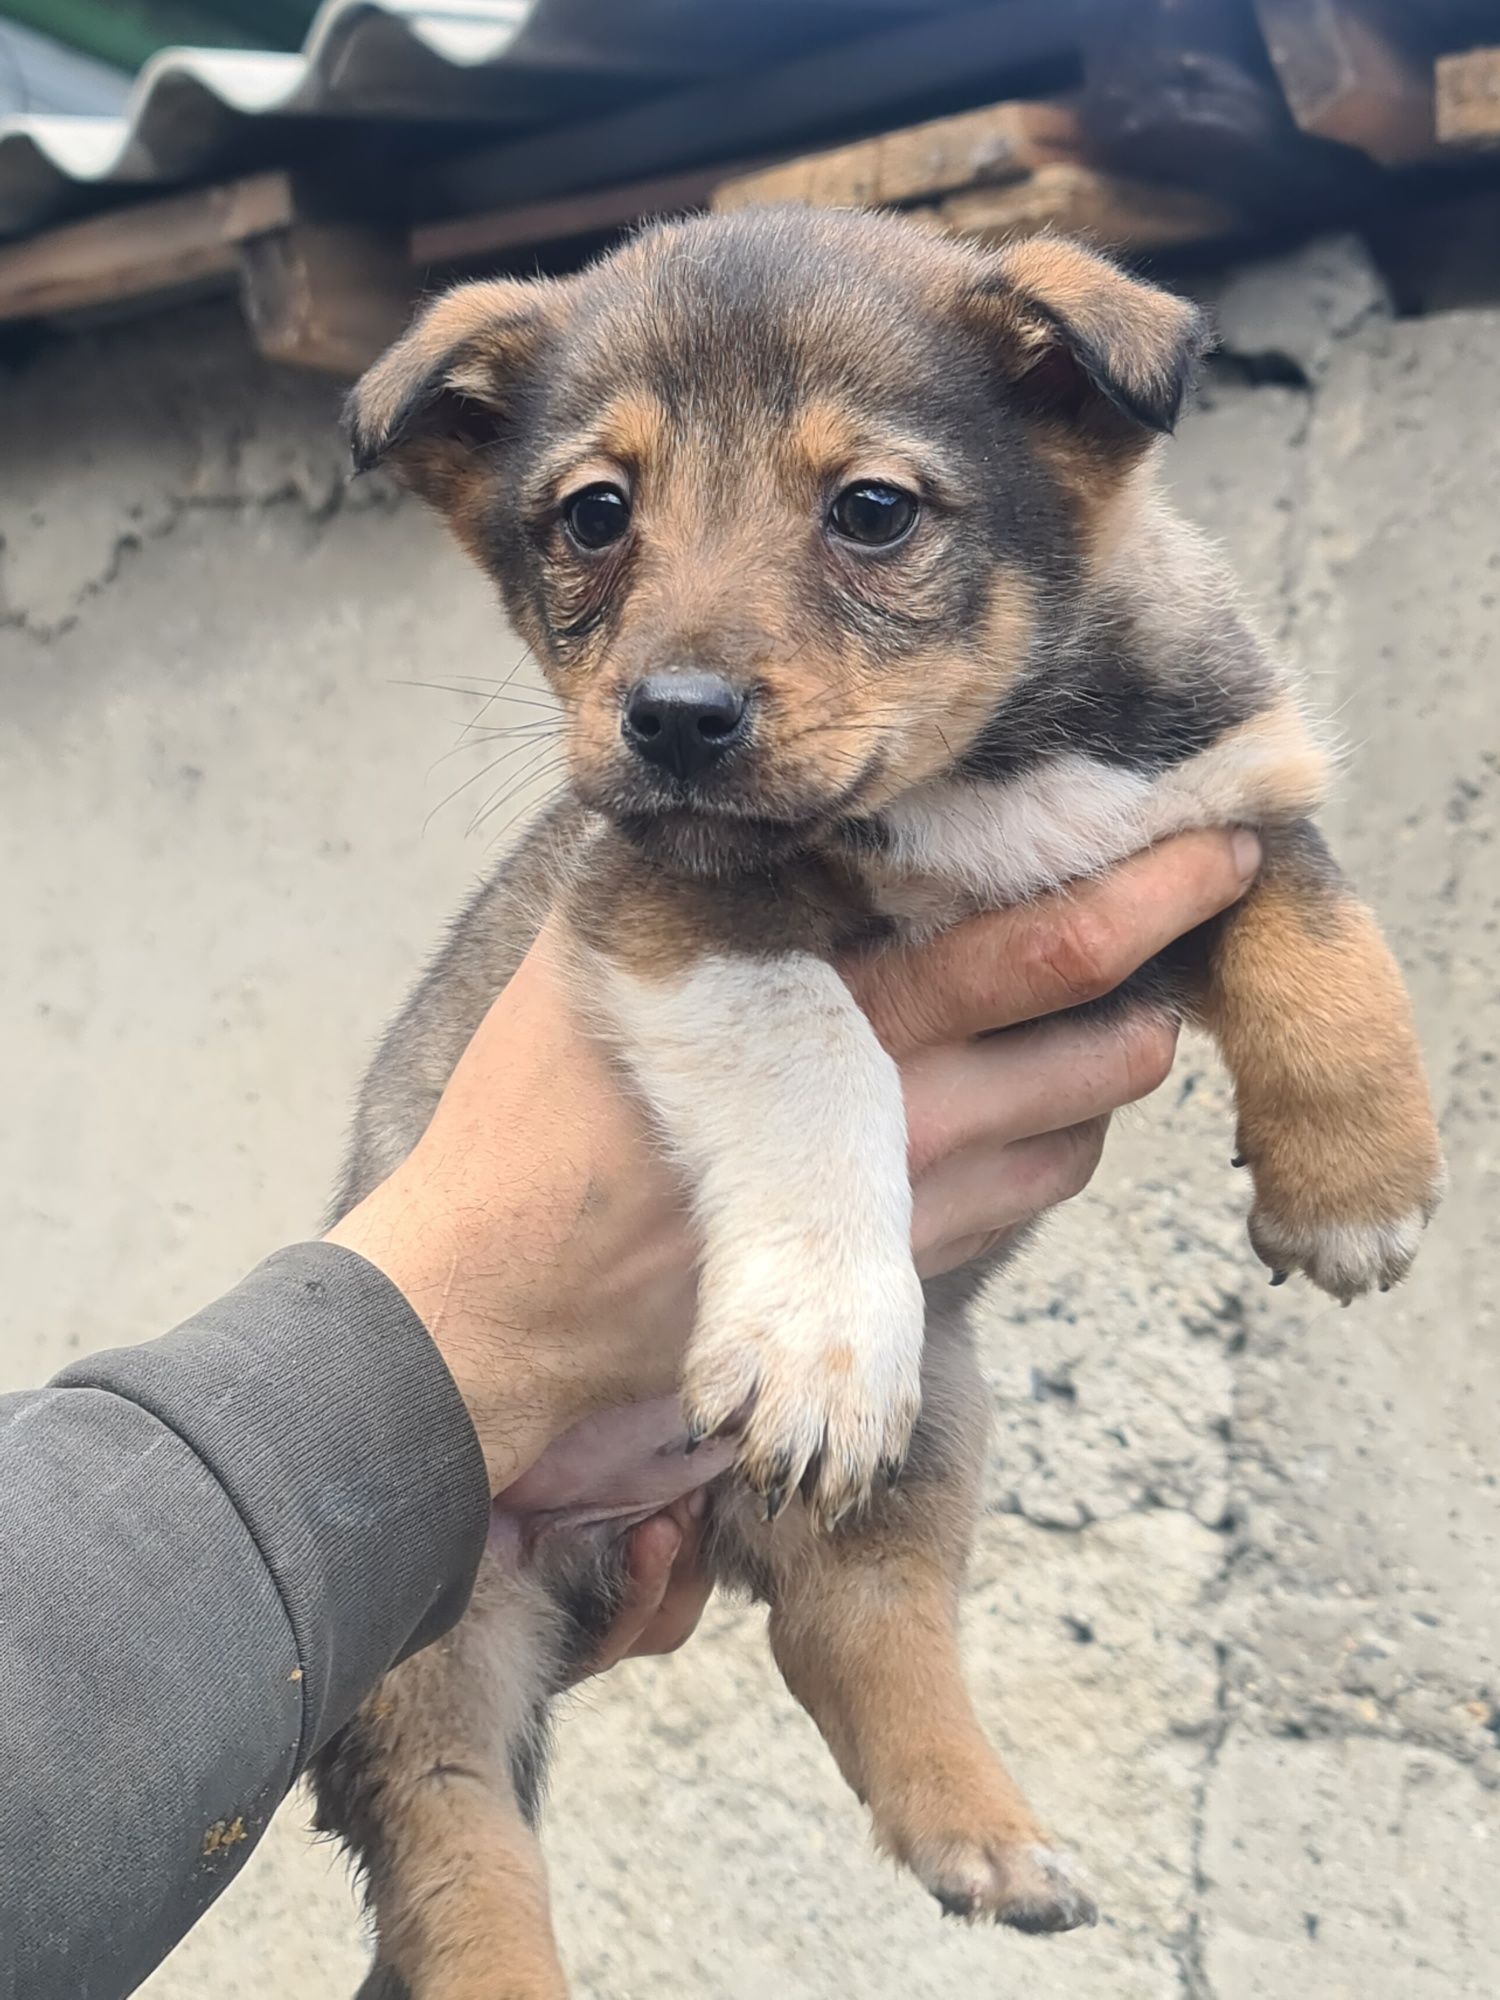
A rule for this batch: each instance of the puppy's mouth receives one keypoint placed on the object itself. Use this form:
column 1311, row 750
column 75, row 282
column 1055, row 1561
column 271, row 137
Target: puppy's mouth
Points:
column 714, row 828
column 706, row 842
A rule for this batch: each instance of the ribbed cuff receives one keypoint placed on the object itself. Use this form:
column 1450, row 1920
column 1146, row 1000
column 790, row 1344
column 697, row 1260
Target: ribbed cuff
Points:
column 317, row 1399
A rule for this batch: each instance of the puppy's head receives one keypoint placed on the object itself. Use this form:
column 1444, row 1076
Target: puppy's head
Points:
column 785, row 501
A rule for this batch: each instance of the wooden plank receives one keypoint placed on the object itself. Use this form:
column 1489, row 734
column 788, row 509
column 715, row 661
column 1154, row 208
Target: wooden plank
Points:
column 1115, row 213
column 472, row 237
column 1347, row 76
column 1468, row 98
column 763, row 110
column 1180, row 91
column 326, row 295
column 974, row 148
column 156, row 246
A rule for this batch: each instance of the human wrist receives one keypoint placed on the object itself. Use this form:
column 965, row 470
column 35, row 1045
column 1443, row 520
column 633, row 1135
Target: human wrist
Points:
column 474, row 1308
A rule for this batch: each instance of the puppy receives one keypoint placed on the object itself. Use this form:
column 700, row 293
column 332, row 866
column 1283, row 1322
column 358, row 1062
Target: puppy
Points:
column 841, row 546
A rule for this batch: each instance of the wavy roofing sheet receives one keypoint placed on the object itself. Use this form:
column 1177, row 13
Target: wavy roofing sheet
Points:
column 491, row 65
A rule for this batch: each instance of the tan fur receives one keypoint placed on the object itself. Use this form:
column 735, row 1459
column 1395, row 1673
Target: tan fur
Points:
column 467, row 1914
column 726, row 598
column 462, row 1886
column 865, row 1631
column 1335, row 1121
column 632, row 431
column 824, row 434
column 466, row 331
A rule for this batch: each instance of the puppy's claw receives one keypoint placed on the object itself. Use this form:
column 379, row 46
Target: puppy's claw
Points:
column 777, row 1482
column 807, row 1485
column 825, row 1514
column 1239, row 1160
column 704, row 1424
column 1057, row 1902
column 1031, row 1888
column 891, row 1470
column 1280, row 1277
column 1343, row 1255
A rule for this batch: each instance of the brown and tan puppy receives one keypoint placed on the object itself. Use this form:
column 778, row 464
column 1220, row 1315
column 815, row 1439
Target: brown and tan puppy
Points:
column 842, row 547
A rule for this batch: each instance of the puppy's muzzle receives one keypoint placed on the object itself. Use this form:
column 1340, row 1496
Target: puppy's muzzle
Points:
column 684, row 724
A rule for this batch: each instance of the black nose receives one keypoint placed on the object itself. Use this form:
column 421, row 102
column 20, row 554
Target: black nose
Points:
column 683, row 722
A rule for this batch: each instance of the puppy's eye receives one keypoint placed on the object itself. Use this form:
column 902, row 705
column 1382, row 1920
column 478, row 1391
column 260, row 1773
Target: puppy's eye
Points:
column 597, row 516
column 873, row 515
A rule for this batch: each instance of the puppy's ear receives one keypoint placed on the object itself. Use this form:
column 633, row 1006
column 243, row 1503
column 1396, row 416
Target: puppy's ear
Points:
column 448, row 386
column 1089, row 343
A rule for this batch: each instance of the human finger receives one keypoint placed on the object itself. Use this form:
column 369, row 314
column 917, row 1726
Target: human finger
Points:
column 651, row 1551
column 1030, row 1080
column 1057, row 951
column 972, row 1197
column 689, row 1586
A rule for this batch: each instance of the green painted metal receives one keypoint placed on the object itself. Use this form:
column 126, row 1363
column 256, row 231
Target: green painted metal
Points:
column 125, row 32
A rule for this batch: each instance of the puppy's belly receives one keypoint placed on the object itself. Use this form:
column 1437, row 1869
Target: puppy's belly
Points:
column 990, row 843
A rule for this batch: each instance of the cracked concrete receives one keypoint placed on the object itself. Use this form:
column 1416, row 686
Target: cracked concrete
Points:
column 1234, row 1610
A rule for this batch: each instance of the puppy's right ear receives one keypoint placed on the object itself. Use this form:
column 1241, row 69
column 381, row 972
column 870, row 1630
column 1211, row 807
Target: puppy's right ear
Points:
column 446, row 388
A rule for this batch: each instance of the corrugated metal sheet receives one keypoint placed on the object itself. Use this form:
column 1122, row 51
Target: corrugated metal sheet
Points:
column 40, row 75
column 491, row 66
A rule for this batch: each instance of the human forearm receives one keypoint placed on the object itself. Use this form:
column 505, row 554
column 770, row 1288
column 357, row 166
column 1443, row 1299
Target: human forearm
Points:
column 212, row 1547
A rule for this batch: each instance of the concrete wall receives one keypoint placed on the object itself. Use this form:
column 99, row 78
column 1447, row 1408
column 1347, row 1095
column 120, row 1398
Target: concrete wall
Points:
column 1234, row 1612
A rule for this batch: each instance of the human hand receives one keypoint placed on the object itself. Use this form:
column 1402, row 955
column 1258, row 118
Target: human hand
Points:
column 1000, row 1130
column 666, row 1587
column 547, row 1246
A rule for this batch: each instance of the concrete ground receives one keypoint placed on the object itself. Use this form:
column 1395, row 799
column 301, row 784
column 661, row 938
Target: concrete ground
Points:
column 1234, row 1611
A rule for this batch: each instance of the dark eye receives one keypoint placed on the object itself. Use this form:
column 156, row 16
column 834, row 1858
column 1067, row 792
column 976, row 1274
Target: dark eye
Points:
column 874, row 516
column 597, row 516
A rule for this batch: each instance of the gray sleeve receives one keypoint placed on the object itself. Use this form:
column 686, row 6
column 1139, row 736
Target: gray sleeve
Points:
column 211, row 1548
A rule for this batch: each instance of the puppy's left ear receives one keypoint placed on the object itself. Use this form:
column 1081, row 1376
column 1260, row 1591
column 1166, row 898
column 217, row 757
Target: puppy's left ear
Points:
column 1088, row 343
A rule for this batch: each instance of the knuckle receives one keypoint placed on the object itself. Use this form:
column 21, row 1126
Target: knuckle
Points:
column 924, row 1141
column 1085, row 1150
column 1149, row 1046
column 896, row 1005
column 1074, row 957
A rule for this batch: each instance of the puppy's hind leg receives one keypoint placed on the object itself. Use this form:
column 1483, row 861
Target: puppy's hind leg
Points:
column 432, row 1784
column 383, row 1982
column 864, row 1626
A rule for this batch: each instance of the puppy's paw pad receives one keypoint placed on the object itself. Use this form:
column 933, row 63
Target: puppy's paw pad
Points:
column 1029, row 1887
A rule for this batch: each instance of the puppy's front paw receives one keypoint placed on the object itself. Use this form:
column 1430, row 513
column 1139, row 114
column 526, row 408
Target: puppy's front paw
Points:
column 1026, row 1885
column 821, row 1384
column 1347, row 1207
